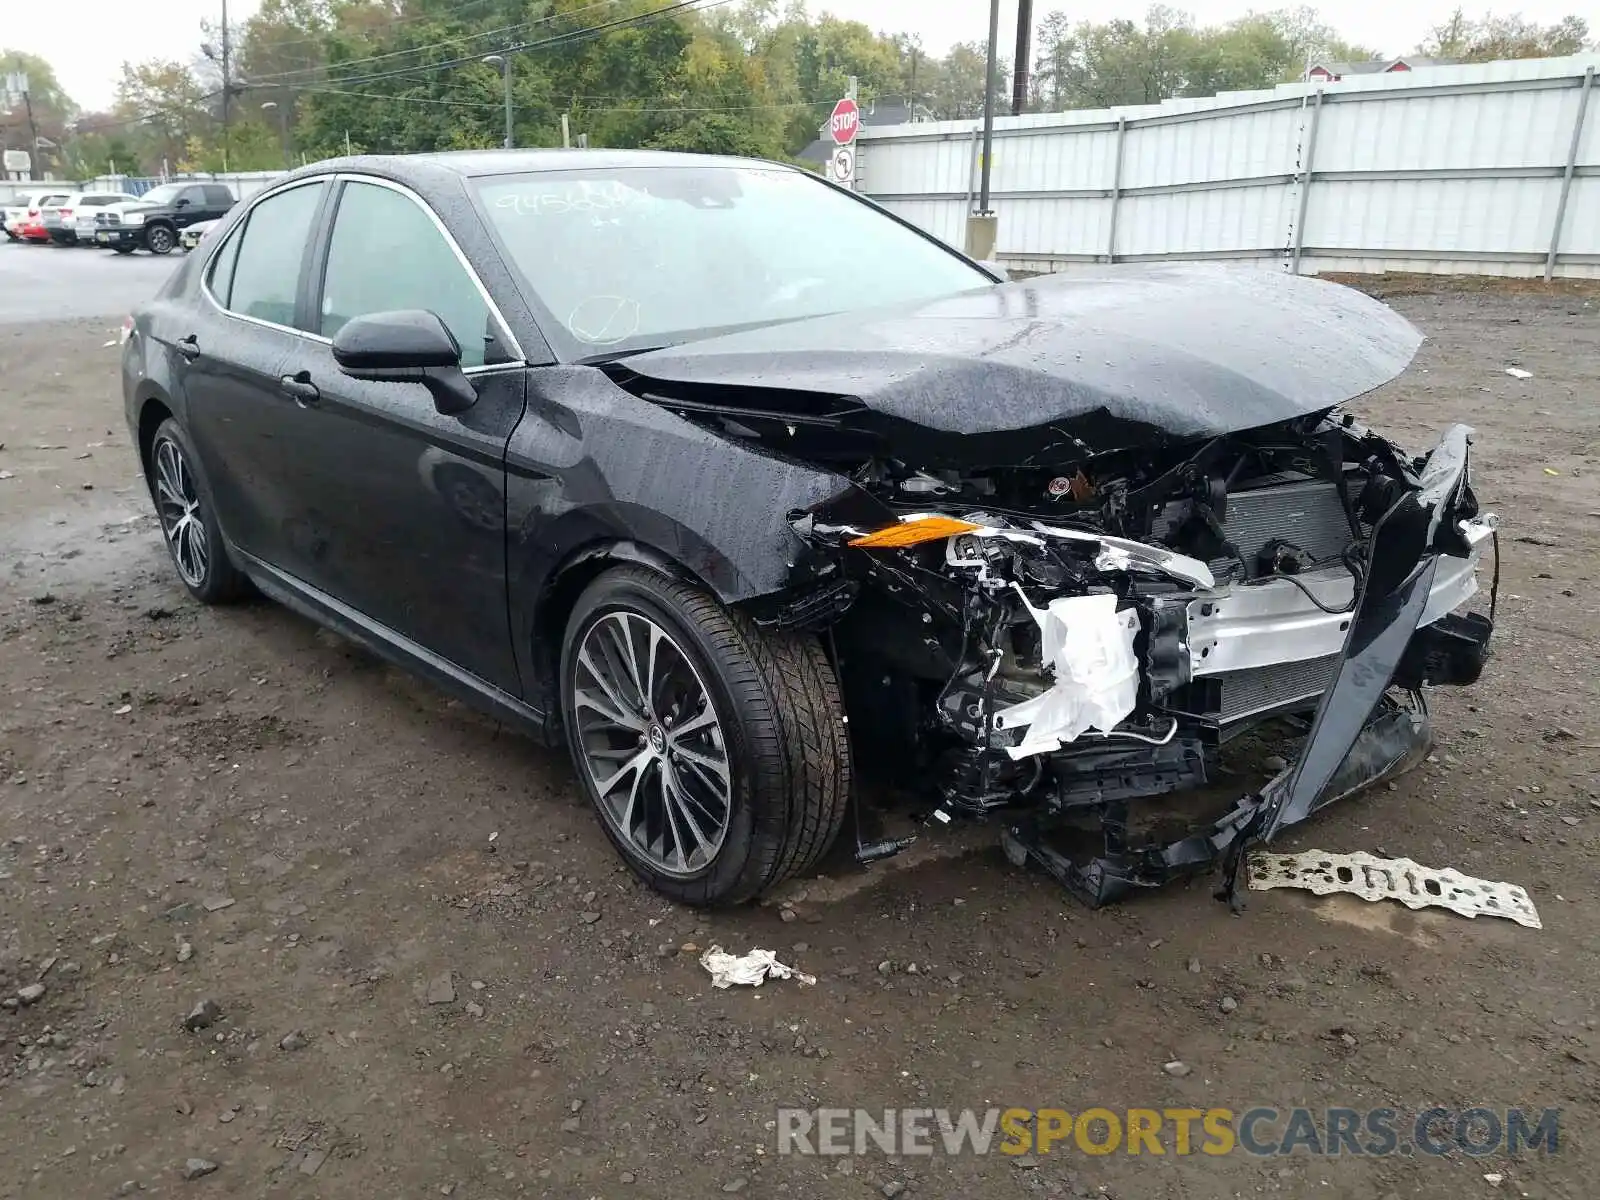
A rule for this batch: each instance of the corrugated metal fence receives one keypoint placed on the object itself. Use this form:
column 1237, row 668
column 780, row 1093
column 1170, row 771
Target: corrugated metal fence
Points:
column 1492, row 168
column 243, row 184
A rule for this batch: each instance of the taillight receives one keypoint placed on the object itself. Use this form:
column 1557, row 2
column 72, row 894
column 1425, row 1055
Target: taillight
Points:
column 65, row 212
column 127, row 327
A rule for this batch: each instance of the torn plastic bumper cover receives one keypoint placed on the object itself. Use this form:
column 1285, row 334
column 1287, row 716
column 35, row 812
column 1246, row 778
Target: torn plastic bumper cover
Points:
column 1360, row 735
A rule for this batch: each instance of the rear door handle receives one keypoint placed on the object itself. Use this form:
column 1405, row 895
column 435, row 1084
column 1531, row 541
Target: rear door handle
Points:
column 300, row 387
column 189, row 347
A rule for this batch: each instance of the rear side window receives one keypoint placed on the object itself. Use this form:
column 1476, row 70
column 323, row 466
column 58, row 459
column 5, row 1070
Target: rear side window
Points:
column 385, row 254
column 266, row 265
column 220, row 277
column 218, row 196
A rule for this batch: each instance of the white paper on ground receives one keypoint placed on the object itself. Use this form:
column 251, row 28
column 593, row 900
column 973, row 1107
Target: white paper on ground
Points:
column 1090, row 645
column 751, row 969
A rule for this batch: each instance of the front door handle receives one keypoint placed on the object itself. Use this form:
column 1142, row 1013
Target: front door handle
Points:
column 300, row 387
column 189, row 347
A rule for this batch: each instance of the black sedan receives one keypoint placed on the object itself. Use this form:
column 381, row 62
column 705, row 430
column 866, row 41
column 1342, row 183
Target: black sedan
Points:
column 750, row 492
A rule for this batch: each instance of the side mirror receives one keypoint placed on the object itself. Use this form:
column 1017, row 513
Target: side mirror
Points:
column 181, row 202
column 406, row 346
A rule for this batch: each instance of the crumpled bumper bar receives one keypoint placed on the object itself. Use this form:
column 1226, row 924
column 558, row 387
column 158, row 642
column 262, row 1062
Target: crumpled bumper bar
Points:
column 1359, row 736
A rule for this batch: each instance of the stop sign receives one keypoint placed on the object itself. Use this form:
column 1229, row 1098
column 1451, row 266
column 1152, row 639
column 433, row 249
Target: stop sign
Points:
column 844, row 122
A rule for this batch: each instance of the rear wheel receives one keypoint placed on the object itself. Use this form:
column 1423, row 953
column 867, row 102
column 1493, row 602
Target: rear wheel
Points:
column 714, row 752
column 159, row 239
column 188, row 520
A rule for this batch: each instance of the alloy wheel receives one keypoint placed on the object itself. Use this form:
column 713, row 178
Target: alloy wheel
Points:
column 651, row 743
column 178, row 505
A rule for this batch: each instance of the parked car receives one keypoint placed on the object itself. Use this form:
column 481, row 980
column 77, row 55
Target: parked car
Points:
column 190, row 237
column 156, row 219
column 31, row 227
column 17, row 212
column 76, row 214
column 742, row 518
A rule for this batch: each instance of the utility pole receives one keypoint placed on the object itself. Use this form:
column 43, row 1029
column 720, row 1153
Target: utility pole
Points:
column 982, row 225
column 503, row 61
column 227, row 83
column 1019, row 68
column 989, row 79
column 33, row 129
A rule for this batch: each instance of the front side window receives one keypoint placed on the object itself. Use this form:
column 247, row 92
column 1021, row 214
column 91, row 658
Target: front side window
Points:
column 386, row 254
column 647, row 256
column 266, row 266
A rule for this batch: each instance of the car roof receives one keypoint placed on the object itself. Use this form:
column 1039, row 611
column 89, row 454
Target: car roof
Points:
column 408, row 168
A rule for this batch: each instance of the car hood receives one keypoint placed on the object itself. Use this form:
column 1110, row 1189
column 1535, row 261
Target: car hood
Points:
column 1183, row 351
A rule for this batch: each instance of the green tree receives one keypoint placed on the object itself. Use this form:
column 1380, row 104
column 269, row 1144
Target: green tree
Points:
column 1494, row 37
column 164, row 111
column 53, row 109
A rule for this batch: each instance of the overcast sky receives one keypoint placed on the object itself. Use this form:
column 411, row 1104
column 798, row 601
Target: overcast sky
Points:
column 88, row 50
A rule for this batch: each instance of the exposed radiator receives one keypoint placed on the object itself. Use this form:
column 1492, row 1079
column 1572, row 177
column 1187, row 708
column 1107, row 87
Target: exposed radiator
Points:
column 1305, row 512
column 1262, row 689
column 1232, row 696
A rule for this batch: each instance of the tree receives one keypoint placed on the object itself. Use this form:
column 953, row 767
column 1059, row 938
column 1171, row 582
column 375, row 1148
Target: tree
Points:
column 164, row 110
column 1497, row 37
column 53, row 109
column 1124, row 62
column 955, row 91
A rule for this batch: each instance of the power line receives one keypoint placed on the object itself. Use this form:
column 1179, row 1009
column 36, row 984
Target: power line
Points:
column 390, row 24
column 662, row 108
column 560, row 39
column 171, row 110
column 451, row 41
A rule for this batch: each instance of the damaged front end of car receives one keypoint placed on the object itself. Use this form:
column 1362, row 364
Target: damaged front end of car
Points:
column 1068, row 659
column 1099, row 536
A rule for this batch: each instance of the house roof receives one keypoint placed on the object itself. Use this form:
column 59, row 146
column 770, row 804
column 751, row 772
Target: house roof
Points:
column 1376, row 66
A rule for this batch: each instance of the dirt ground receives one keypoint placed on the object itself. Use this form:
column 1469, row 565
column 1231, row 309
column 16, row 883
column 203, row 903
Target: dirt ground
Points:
column 229, row 805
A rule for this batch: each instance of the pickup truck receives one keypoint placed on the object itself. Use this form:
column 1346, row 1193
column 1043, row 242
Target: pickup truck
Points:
column 155, row 220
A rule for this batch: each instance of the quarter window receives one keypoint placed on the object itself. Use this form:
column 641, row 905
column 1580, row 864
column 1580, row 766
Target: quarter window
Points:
column 386, row 254
column 220, row 279
column 266, row 266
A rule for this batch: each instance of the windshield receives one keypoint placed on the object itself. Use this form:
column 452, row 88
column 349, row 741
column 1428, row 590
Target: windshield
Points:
column 165, row 194
column 651, row 256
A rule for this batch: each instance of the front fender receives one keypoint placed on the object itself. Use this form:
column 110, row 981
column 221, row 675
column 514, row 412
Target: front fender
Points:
column 592, row 465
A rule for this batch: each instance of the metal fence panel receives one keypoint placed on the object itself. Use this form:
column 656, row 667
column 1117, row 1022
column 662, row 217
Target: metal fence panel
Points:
column 1443, row 169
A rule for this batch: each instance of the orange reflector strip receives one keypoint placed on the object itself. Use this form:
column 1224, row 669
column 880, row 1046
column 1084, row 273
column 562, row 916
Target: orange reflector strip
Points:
column 918, row 529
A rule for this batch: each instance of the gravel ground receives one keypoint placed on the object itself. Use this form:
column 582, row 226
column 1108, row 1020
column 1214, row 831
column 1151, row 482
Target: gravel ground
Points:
column 428, row 975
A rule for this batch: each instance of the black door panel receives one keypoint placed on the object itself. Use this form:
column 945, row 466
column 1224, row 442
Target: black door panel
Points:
column 247, row 431
column 239, row 343
column 403, row 510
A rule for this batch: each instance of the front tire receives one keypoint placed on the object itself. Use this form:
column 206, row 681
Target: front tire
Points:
column 713, row 751
column 158, row 239
column 188, row 519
